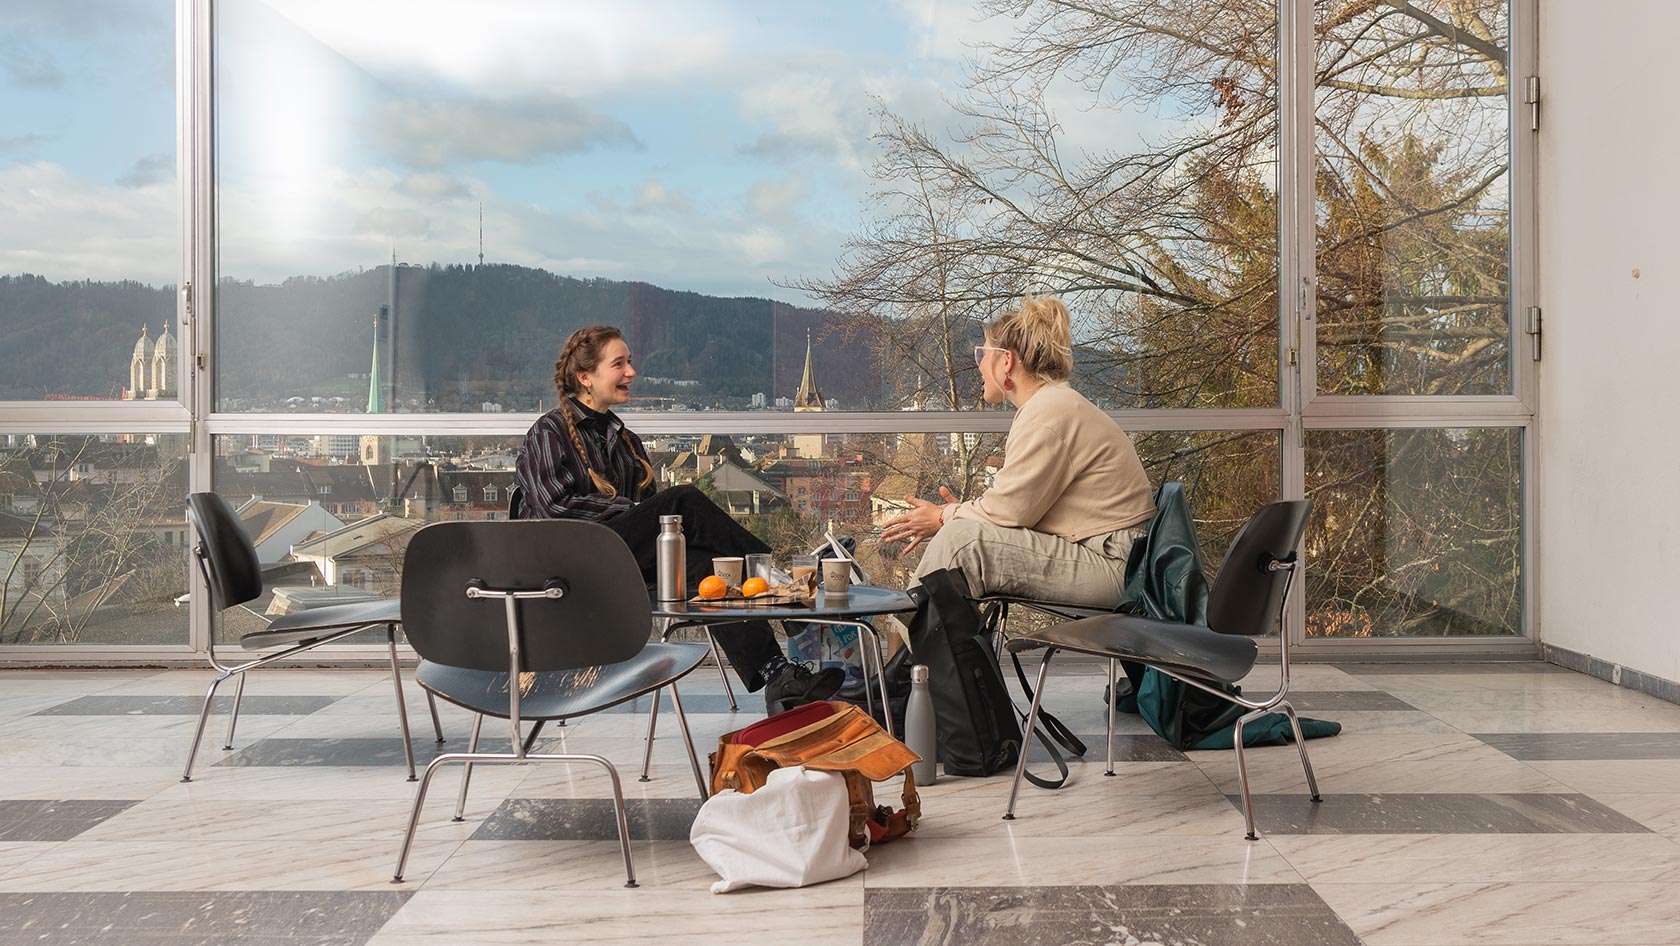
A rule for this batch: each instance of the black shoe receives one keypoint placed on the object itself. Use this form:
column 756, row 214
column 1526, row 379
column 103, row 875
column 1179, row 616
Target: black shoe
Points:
column 794, row 686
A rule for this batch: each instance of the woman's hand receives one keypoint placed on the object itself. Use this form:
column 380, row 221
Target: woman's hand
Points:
column 921, row 522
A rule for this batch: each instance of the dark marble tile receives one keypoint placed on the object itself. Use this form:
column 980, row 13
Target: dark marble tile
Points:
column 251, row 705
column 54, row 820
column 1226, row 914
column 1537, row 813
column 360, row 751
column 751, row 704
column 1127, row 748
column 1490, row 666
column 244, row 918
column 588, row 819
column 1565, row 746
column 1322, row 701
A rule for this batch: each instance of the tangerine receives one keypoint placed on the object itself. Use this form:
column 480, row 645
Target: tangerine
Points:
column 753, row 587
column 713, row 587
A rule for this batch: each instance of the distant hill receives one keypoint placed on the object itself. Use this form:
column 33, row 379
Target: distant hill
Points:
column 464, row 335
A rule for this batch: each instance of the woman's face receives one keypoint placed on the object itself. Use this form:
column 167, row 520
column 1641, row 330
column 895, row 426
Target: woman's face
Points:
column 609, row 384
column 995, row 365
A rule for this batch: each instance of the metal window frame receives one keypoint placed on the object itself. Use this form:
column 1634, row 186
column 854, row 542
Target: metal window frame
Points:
column 1299, row 409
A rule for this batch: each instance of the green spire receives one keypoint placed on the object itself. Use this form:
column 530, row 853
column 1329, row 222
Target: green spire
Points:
column 376, row 397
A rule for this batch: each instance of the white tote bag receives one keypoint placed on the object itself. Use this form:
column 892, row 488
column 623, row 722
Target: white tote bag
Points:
column 790, row 833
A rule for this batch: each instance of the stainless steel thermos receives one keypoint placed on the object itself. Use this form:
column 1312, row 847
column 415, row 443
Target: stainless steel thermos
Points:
column 920, row 732
column 671, row 553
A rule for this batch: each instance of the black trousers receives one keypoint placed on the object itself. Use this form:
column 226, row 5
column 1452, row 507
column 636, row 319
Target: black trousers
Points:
column 710, row 532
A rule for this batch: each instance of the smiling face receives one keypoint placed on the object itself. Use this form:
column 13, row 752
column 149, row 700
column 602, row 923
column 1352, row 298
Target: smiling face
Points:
column 608, row 384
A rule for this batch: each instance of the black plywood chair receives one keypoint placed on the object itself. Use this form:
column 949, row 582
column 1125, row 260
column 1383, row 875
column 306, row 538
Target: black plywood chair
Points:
column 228, row 561
column 555, row 606
column 1246, row 601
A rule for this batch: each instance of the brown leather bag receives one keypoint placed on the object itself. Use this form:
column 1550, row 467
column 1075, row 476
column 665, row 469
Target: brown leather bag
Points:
column 830, row 737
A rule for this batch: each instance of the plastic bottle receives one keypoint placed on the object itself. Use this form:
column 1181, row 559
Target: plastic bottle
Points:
column 671, row 553
column 920, row 731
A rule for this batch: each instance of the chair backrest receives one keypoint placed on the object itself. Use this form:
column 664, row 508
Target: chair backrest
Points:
column 516, row 502
column 1247, row 597
column 602, row 617
column 229, row 556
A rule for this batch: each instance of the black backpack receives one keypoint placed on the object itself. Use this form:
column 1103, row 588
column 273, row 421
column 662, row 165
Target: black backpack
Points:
column 978, row 731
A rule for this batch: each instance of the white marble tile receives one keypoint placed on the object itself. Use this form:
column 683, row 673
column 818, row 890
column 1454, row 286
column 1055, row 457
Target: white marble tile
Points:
column 1606, row 699
column 1368, row 747
column 1373, row 722
column 1277, row 773
column 812, row 916
column 91, row 781
column 1483, row 682
column 19, row 704
column 557, row 780
column 1616, row 776
column 291, row 782
column 232, row 865
column 15, row 853
column 251, row 727
column 117, row 751
column 1264, row 678
column 1086, row 779
column 72, row 683
column 1527, row 914
column 322, row 725
column 1658, row 811
column 1481, row 858
column 917, row 861
column 557, row 866
column 1069, row 814
column 1561, row 720
column 189, row 819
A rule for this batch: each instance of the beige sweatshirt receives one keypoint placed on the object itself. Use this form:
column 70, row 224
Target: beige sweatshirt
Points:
column 1068, row 470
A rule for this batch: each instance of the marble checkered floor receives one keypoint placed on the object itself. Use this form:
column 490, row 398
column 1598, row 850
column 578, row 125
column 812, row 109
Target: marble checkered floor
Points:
column 1514, row 804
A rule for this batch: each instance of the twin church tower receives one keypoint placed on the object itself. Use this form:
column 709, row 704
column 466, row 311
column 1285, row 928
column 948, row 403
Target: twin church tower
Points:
column 151, row 372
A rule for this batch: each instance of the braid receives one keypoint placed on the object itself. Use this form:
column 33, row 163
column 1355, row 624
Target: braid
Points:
column 571, row 431
column 647, row 479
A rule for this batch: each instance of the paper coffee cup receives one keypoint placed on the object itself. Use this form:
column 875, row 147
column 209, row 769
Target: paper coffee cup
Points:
column 731, row 569
column 836, row 575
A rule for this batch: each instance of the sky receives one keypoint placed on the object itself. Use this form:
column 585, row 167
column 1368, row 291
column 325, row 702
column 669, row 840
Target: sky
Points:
column 709, row 146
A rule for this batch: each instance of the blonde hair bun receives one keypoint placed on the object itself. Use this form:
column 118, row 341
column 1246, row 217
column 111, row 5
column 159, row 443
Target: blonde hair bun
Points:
column 1040, row 333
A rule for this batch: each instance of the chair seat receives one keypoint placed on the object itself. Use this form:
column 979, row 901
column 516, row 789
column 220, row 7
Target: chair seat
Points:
column 315, row 624
column 1057, row 608
column 563, row 694
column 1184, row 649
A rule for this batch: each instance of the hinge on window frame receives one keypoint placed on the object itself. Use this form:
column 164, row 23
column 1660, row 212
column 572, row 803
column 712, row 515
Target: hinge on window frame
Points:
column 1534, row 329
column 1531, row 98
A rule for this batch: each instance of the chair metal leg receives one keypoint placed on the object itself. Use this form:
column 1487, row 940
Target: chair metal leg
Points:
column 402, row 708
column 723, row 672
column 1113, row 672
column 1301, row 744
column 688, row 740
column 647, row 750
column 508, row 757
column 198, row 734
column 536, row 730
column 1242, row 770
column 880, row 650
column 437, row 725
column 233, row 717
column 1027, row 730
column 466, row 775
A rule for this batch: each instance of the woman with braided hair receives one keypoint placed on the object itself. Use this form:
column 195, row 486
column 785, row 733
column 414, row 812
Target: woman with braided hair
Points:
column 579, row 461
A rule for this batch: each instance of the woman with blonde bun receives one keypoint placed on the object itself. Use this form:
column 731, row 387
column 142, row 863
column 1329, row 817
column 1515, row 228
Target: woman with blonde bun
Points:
column 1071, row 497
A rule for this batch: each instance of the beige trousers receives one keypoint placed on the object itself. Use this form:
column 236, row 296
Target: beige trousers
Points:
column 996, row 560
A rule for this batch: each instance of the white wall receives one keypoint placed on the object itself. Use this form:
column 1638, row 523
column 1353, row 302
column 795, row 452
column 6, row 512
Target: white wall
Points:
column 1608, row 579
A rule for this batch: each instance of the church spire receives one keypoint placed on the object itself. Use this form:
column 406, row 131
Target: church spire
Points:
column 376, row 386
column 809, row 397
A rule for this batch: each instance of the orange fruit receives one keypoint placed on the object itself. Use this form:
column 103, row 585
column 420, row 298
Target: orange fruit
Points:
column 753, row 587
column 713, row 587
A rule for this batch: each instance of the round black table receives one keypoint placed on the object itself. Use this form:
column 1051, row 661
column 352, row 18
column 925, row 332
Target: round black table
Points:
column 849, row 609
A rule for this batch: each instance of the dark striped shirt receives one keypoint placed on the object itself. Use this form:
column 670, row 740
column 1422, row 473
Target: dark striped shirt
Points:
column 553, row 476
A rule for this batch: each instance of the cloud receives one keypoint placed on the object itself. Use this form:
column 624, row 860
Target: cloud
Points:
column 655, row 195
column 773, row 199
column 22, row 142
column 151, row 169
column 432, row 186
column 65, row 227
column 29, row 66
column 395, row 222
column 438, row 133
column 787, row 145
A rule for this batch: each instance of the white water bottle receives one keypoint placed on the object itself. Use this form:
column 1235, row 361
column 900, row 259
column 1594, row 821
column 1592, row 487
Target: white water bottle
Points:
column 921, row 733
